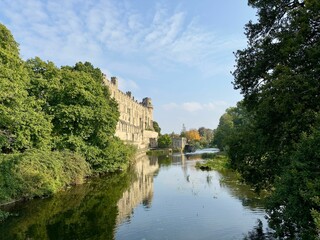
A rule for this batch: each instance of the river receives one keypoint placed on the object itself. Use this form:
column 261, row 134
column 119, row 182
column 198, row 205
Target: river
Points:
column 159, row 198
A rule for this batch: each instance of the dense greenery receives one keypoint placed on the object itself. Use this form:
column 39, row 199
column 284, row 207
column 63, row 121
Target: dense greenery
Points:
column 39, row 173
column 23, row 125
column 272, row 136
column 57, row 125
column 156, row 127
column 164, row 141
column 206, row 136
column 3, row 215
column 74, row 213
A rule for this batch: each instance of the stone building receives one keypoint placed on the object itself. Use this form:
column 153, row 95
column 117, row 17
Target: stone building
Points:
column 178, row 143
column 135, row 124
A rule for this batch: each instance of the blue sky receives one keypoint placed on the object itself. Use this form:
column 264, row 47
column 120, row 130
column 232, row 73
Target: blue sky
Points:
column 177, row 52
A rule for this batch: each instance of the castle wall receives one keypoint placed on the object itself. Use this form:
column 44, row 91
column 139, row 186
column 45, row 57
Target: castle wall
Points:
column 135, row 123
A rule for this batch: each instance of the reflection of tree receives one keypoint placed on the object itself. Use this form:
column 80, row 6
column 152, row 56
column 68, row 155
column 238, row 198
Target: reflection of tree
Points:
column 258, row 233
column 241, row 191
column 88, row 211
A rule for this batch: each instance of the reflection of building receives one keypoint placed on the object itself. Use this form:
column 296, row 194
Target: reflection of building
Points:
column 135, row 124
column 140, row 191
column 178, row 143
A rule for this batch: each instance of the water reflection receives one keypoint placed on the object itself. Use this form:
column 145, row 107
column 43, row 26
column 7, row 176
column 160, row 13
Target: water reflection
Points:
column 88, row 211
column 140, row 190
column 159, row 198
column 191, row 204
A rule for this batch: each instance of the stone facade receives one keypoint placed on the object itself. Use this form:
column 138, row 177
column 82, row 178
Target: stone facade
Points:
column 179, row 143
column 135, row 124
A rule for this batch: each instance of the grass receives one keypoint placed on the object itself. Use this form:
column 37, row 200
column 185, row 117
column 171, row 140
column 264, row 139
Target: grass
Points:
column 214, row 161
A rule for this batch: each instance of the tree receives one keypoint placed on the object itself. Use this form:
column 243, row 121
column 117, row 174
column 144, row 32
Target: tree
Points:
column 164, row 141
column 278, row 75
column 206, row 135
column 232, row 119
column 193, row 135
column 223, row 130
column 84, row 116
column 156, row 127
column 296, row 198
column 22, row 123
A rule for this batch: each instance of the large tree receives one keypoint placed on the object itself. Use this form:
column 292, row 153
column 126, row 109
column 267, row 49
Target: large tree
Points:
column 84, row 116
column 279, row 76
column 23, row 125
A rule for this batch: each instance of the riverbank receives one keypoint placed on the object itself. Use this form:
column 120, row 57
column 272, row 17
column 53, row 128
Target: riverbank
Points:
column 42, row 173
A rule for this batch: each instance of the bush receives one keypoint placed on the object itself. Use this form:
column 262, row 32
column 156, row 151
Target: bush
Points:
column 116, row 156
column 39, row 173
column 164, row 141
column 3, row 215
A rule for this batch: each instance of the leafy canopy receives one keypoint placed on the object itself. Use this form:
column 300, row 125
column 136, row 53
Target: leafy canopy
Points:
column 278, row 75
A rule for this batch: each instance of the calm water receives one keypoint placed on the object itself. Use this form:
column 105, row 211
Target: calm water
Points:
column 161, row 198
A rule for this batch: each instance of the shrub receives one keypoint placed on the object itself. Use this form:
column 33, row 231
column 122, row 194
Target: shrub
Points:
column 39, row 173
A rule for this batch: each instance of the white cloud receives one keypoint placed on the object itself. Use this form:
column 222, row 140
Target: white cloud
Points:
column 170, row 106
column 192, row 106
column 195, row 106
column 66, row 31
column 212, row 106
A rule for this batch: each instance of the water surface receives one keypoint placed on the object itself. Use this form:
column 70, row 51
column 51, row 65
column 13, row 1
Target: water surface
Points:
column 161, row 198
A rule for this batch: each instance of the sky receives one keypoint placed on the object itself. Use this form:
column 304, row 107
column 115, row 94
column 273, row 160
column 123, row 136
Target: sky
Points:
column 177, row 52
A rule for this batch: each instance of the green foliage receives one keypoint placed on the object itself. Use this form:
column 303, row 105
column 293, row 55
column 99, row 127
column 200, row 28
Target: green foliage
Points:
column 223, row 130
column 156, row 127
column 37, row 173
column 114, row 157
column 23, row 125
column 84, row 117
column 231, row 120
column 294, row 206
column 3, row 215
column 164, row 141
column 56, row 124
column 7, row 42
column 216, row 162
column 278, row 74
column 206, row 135
column 208, row 155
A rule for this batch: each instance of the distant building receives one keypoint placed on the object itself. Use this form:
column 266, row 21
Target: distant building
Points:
column 178, row 143
column 135, row 123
